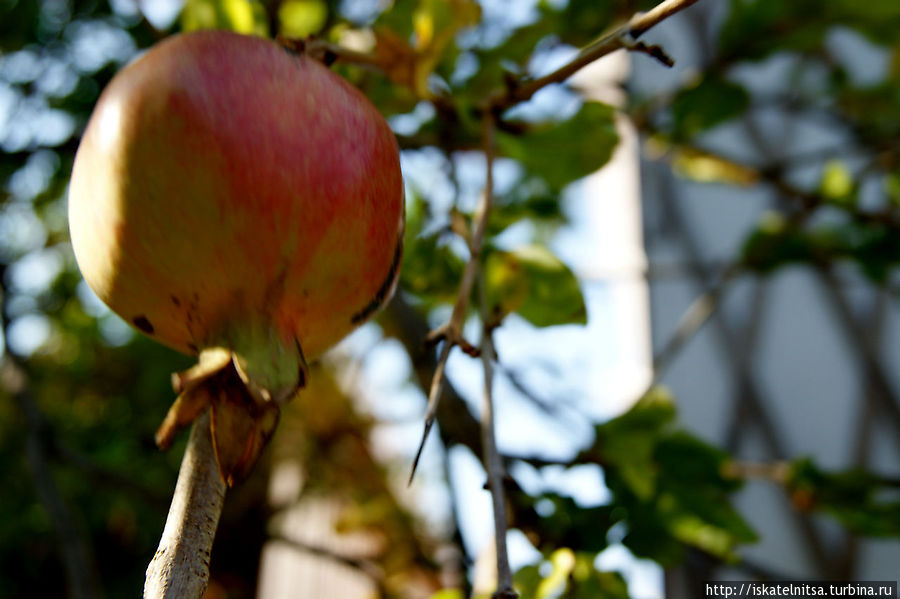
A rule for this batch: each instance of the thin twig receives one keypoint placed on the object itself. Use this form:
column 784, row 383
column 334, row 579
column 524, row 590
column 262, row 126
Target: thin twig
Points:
column 692, row 320
column 180, row 568
column 493, row 464
column 452, row 330
column 778, row 471
column 618, row 39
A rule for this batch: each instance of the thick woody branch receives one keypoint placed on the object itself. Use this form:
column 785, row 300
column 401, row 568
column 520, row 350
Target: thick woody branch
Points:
column 180, row 568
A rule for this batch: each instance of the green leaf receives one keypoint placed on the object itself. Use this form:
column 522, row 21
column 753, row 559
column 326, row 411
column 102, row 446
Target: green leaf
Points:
column 430, row 269
column 572, row 576
column 670, row 487
column 526, row 581
column 774, row 243
column 756, row 28
column 530, row 200
column 878, row 20
column 567, row 524
column 242, row 16
column 534, row 283
column 628, row 443
column 875, row 247
column 694, row 504
column 710, row 102
column 875, row 110
column 861, row 501
column 562, row 152
column 588, row 583
column 398, row 18
column 448, row 594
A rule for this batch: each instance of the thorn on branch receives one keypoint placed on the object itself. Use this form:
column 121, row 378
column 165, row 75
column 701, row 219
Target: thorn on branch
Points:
column 436, row 335
column 429, row 422
column 653, row 51
column 450, row 334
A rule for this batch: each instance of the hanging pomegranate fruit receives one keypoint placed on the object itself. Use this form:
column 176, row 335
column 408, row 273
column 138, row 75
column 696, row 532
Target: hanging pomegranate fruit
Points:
column 243, row 204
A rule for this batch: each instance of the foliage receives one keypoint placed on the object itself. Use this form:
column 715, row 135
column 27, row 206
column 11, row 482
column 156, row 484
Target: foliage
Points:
column 100, row 391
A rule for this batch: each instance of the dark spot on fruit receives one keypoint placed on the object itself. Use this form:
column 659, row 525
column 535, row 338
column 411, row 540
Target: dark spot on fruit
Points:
column 381, row 295
column 175, row 300
column 303, row 369
column 301, row 379
column 143, row 324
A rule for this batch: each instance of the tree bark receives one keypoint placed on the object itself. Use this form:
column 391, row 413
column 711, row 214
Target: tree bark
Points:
column 180, row 568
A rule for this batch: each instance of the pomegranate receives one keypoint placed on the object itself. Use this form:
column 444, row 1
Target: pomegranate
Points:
column 241, row 203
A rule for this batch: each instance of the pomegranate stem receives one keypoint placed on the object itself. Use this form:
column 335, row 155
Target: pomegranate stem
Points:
column 180, row 567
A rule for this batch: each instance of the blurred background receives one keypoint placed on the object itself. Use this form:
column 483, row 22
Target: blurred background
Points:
column 696, row 375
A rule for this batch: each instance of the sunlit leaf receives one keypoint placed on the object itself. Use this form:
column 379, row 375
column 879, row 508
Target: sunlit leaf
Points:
column 299, row 18
column 562, row 562
column 563, row 152
column 430, row 270
column 571, row 576
column 837, row 182
column 589, row 583
column 534, row 283
column 708, row 168
column 413, row 38
column 242, row 16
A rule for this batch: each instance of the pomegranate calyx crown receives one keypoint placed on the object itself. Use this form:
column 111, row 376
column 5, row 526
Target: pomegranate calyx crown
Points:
column 270, row 364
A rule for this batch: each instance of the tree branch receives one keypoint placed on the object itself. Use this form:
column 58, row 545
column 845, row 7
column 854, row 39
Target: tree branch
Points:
column 622, row 37
column 493, row 464
column 180, row 568
column 692, row 320
column 451, row 332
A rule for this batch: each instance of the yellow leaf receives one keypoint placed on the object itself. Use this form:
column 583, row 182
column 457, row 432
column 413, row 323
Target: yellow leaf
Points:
column 563, row 561
column 395, row 57
column 708, row 168
column 435, row 24
column 299, row 18
column 837, row 183
column 242, row 16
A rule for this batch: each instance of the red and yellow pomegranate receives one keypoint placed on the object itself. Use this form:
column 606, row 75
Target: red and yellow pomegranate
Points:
column 241, row 203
